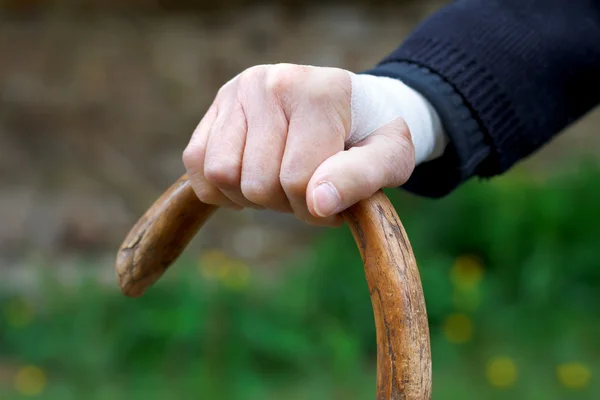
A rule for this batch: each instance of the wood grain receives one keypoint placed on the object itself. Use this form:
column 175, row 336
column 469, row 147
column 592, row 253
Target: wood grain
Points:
column 159, row 237
column 403, row 348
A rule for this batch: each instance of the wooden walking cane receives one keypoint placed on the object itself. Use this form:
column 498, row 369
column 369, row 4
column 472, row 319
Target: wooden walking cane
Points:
column 403, row 349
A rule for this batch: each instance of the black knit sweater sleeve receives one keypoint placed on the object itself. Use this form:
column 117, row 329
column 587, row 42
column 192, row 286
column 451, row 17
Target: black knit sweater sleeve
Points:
column 504, row 75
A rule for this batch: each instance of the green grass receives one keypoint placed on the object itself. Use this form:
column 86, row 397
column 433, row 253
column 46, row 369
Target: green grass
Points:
column 511, row 275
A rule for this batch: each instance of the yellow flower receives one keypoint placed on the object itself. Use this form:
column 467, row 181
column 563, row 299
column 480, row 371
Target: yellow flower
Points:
column 573, row 375
column 466, row 272
column 211, row 262
column 458, row 328
column 235, row 275
column 215, row 265
column 18, row 313
column 30, row 381
column 501, row 372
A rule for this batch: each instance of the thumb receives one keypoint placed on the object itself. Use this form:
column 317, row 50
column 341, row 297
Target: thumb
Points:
column 386, row 158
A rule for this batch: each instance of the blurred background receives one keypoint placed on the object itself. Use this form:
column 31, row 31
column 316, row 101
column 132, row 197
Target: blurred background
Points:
column 98, row 100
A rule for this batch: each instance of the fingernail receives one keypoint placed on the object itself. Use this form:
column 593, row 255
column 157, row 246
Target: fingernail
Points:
column 326, row 199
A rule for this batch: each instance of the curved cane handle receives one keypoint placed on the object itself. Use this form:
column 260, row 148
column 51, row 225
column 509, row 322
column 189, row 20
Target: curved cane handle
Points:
column 403, row 349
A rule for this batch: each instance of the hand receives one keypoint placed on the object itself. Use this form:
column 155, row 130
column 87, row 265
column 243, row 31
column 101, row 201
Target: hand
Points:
column 274, row 138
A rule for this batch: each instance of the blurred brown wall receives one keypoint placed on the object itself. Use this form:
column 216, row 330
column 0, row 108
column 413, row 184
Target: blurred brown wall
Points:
column 99, row 98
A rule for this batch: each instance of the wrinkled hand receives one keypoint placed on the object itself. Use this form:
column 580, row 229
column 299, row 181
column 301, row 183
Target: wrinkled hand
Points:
column 275, row 136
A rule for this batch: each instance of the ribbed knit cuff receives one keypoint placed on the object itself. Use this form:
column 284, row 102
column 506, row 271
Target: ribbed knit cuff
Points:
column 477, row 85
column 467, row 148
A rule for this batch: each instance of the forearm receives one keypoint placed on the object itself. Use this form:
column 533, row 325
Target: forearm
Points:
column 504, row 77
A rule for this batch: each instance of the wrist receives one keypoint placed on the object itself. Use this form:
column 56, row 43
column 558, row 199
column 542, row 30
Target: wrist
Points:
column 378, row 100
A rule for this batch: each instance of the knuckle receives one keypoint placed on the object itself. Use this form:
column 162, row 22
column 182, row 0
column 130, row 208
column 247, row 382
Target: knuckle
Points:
column 191, row 157
column 292, row 184
column 257, row 191
column 321, row 94
column 282, row 78
column 222, row 173
column 254, row 72
column 248, row 79
column 226, row 89
column 208, row 195
column 251, row 75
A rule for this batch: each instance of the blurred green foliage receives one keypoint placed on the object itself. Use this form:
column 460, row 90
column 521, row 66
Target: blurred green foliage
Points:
column 511, row 275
